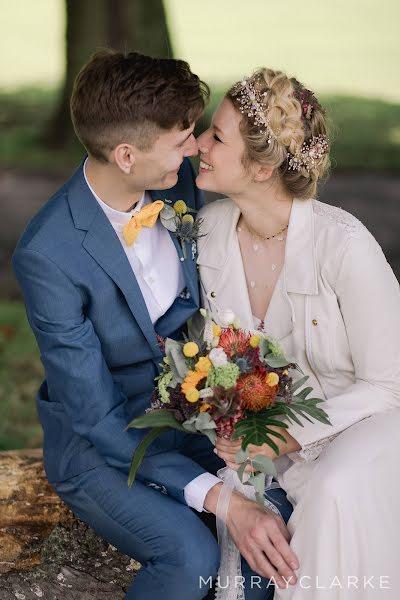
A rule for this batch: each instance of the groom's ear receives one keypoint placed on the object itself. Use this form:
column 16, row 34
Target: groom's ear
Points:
column 262, row 173
column 124, row 157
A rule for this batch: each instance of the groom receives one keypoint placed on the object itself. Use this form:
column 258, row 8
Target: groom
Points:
column 102, row 278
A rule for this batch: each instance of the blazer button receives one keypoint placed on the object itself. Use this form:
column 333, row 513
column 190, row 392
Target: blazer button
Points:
column 314, row 322
column 213, row 295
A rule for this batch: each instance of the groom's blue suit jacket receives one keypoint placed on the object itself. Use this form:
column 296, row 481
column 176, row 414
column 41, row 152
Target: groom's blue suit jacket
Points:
column 97, row 342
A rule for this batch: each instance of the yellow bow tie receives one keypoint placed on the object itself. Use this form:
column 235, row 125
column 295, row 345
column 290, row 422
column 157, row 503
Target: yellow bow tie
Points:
column 146, row 217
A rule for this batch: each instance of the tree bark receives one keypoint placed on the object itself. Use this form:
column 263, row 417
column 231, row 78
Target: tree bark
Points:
column 124, row 25
column 45, row 551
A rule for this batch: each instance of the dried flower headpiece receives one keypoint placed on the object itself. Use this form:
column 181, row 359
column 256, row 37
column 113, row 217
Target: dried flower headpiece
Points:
column 311, row 152
column 308, row 102
column 252, row 104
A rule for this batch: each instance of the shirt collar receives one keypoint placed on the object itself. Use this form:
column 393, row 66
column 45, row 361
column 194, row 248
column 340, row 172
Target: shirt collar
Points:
column 117, row 216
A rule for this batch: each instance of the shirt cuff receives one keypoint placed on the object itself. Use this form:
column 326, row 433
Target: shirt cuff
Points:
column 196, row 490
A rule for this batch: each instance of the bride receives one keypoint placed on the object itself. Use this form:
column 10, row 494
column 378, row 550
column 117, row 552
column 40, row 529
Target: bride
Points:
column 312, row 276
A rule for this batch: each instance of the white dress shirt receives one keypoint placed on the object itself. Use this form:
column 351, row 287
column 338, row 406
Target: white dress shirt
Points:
column 159, row 274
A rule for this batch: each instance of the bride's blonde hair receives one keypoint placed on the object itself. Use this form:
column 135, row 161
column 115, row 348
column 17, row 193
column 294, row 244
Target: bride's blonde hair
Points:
column 281, row 122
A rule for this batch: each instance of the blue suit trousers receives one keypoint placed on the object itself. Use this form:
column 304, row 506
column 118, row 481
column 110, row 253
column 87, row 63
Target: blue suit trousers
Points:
column 171, row 541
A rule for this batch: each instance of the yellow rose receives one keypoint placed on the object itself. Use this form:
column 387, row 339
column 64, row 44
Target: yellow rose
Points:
column 187, row 219
column 180, row 207
column 272, row 379
column 216, row 330
column 255, row 341
column 192, row 395
column 203, row 364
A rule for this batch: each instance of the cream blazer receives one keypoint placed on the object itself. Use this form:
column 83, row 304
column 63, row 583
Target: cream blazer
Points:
column 335, row 308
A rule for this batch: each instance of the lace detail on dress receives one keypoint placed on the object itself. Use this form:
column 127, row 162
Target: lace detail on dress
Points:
column 344, row 219
column 311, row 451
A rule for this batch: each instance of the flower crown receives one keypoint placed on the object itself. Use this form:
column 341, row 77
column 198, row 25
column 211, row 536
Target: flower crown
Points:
column 252, row 103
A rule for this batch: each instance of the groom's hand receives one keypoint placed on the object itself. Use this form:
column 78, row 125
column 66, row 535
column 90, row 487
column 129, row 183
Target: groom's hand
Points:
column 261, row 537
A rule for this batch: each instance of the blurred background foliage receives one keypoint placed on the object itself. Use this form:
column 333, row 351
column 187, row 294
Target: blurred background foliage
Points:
column 347, row 52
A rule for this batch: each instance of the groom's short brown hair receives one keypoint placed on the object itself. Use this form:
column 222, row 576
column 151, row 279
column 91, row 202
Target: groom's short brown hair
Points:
column 131, row 97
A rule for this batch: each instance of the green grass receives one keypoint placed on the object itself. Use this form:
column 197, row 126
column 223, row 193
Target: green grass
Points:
column 20, row 375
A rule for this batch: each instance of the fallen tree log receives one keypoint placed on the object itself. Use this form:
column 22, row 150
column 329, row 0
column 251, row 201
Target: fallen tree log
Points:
column 45, row 552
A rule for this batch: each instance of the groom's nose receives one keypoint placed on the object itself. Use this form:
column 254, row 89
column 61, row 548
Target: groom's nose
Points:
column 191, row 148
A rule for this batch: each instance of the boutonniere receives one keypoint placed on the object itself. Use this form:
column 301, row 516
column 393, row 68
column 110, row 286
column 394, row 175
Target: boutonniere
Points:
column 176, row 218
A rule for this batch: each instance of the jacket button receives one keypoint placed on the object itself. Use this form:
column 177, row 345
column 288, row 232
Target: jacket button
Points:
column 213, row 295
column 314, row 322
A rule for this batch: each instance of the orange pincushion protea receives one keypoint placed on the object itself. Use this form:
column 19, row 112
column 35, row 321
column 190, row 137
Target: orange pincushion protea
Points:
column 255, row 393
column 234, row 342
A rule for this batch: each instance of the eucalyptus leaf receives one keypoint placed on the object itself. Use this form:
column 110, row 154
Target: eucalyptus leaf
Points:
column 202, row 424
column 241, row 456
column 168, row 212
column 169, row 223
column 241, row 471
column 264, row 464
column 258, row 482
column 211, row 434
column 276, row 362
column 260, row 499
column 177, row 363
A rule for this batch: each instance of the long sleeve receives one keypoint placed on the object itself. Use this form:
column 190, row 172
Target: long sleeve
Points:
column 369, row 300
column 79, row 379
column 196, row 490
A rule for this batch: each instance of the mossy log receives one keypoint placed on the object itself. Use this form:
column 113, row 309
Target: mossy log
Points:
column 45, row 552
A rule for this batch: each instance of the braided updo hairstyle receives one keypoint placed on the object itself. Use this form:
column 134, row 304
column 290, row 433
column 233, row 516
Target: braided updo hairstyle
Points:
column 294, row 122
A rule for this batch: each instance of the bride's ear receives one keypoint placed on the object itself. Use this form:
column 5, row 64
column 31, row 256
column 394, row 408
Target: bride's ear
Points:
column 262, row 173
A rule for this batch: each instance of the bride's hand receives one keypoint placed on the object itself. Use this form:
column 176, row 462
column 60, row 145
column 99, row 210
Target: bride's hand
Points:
column 227, row 449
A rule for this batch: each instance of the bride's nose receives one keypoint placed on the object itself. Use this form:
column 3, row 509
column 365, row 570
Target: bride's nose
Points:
column 202, row 143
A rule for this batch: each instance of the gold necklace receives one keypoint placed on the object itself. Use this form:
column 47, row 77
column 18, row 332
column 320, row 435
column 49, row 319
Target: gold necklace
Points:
column 260, row 237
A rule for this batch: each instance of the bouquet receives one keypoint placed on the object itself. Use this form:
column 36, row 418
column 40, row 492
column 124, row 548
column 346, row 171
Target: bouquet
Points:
column 232, row 383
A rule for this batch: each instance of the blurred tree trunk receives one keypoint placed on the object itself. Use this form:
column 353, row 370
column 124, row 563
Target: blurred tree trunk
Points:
column 125, row 25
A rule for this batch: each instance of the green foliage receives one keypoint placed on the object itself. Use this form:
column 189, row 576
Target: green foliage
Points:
column 202, row 423
column 141, row 451
column 365, row 132
column 21, row 373
column 158, row 418
column 256, row 427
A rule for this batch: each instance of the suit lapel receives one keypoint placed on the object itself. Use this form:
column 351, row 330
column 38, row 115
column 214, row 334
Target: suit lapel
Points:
column 102, row 243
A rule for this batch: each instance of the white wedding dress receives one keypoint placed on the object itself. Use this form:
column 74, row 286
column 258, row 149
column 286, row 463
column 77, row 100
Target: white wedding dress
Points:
column 345, row 488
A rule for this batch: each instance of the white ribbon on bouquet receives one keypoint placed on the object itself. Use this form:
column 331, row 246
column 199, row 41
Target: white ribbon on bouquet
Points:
column 230, row 570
